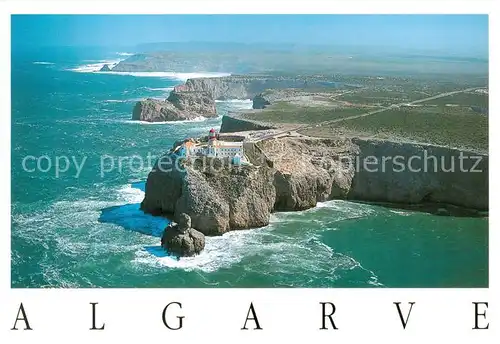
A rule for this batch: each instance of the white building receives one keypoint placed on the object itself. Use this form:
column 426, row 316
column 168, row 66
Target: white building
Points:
column 214, row 148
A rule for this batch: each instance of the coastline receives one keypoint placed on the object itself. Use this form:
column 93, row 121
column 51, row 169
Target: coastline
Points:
column 325, row 229
column 272, row 146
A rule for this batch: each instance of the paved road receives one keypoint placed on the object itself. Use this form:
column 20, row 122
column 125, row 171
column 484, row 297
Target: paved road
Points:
column 437, row 96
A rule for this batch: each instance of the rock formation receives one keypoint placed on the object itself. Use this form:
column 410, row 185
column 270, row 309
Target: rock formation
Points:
column 291, row 173
column 181, row 239
column 220, row 197
column 313, row 170
column 260, row 101
column 271, row 96
column 196, row 102
column 105, row 68
column 177, row 107
column 425, row 178
column 247, row 87
column 308, row 171
column 216, row 195
column 233, row 122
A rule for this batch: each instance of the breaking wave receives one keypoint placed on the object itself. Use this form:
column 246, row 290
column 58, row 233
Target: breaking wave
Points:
column 89, row 230
column 168, row 75
column 95, row 67
column 166, row 89
column 235, row 101
column 194, row 120
column 131, row 100
column 281, row 252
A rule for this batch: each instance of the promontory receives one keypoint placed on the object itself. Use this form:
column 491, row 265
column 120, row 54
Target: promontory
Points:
column 304, row 145
column 179, row 106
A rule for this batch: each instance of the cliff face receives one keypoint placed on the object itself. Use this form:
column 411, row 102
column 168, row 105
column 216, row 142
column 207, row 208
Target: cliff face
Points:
column 233, row 123
column 430, row 174
column 105, row 68
column 247, row 87
column 216, row 195
column 195, row 102
column 217, row 88
column 308, row 171
column 286, row 175
column 292, row 173
column 260, row 101
column 153, row 110
column 178, row 106
column 314, row 170
column 163, row 187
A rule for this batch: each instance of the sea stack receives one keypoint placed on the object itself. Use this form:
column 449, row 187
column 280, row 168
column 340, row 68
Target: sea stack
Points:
column 179, row 106
column 182, row 240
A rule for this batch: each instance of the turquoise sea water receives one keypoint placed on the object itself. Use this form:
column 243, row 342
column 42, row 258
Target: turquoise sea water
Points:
column 89, row 231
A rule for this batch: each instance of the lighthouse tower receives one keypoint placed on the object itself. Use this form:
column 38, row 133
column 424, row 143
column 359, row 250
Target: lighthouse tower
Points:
column 211, row 135
column 212, row 139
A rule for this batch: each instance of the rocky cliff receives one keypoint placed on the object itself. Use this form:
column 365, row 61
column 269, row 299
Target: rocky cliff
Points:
column 196, row 102
column 105, row 68
column 178, row 106
column 419, row 173
column 313, row 170
column 375, row 170
column 260, row 101
column 285, row 175
column 216, row 195
column 247, row 87
column 294, row 173
column 233, row 123
column 307, row 171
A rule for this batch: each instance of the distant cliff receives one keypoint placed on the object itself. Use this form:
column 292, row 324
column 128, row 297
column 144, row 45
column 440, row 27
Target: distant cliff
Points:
column 105, row 68
column 178, row 106
column 247, row 87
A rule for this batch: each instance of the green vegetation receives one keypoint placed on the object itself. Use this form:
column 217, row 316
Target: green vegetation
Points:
column 303, row 115
column 397, row 95
column 382, row 97
column 459, row 120
column 455, row 130
column 463, row 99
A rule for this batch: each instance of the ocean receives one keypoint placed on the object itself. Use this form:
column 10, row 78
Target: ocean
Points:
column 82, row 228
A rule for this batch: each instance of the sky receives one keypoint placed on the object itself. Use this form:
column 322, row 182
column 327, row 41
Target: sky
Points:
column 456, row 34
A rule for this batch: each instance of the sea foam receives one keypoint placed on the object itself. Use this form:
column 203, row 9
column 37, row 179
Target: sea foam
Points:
column 94, row 67
column 235, row 101
column 220, row 252
column 194, row 120
column 166, row 89
column 169, row 75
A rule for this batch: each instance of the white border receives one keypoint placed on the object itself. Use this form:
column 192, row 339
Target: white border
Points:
column 440, row 315
column 249, row 7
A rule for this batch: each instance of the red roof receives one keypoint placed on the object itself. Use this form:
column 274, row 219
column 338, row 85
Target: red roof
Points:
column 212, row 130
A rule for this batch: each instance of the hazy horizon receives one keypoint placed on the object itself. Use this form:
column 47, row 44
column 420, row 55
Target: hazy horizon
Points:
column 453, row 35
